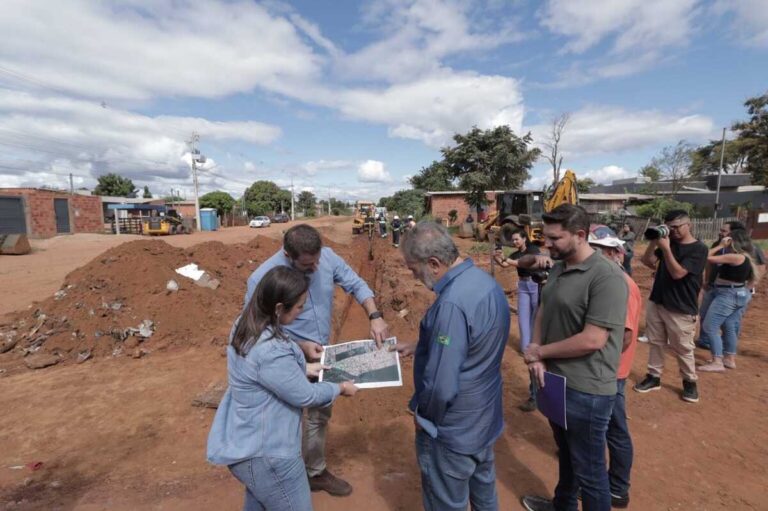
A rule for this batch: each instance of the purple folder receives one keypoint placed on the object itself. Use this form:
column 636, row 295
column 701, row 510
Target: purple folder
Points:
column 551, row 398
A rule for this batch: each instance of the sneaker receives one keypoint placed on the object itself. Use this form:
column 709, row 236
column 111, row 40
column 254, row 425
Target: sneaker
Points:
column 690, row 392
column 642, row 338
column 532, row 503
column 648, row 384
column 325, row 481
column 619, row 502
column 528, row 405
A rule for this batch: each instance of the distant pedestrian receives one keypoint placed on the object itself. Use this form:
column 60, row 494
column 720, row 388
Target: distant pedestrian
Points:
column 268, row 386
column 457, row 401
column 382, row 225
column 628, row 236
column 397, row 227
column 671, row 313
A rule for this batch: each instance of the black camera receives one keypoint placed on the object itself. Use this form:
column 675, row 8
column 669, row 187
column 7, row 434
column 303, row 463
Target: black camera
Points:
column 540, row 276
column 654, row 233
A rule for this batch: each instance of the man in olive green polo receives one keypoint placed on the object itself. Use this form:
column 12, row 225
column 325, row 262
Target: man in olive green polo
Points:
column 578, row 333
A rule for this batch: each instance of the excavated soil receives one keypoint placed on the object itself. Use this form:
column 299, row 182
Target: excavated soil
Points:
column 120, row 433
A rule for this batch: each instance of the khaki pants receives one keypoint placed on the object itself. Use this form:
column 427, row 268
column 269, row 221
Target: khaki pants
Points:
column 676, row 330
column 313, row 443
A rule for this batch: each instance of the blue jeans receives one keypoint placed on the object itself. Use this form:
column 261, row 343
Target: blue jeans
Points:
column 582, row 452
column 725, row 312
column 274, row 484
column 706, row 301
column 450, row 481
column 628, row 263
column 619, row 445
column 527, row 303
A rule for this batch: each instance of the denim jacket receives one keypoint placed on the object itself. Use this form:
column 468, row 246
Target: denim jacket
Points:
column 260, row 413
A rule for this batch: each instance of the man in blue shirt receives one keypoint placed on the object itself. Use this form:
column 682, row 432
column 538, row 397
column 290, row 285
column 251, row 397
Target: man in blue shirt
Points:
column 303, row 249
column 457, row 373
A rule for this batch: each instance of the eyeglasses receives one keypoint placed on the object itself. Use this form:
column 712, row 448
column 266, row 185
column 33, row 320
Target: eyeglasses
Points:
column 678, row 226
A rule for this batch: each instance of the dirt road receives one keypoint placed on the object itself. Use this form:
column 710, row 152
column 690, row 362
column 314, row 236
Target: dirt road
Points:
column 119, row 433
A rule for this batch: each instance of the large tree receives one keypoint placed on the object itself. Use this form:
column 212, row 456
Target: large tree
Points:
column 306, row 202
column 583, row 185
column 147, row 194
column 552, row 145
column 114, row 185
column 493, row 159
column 674, row 163
column 264, row 197
column 404, row 203
column 753, row 138
column 434, row 178
column 222, row 202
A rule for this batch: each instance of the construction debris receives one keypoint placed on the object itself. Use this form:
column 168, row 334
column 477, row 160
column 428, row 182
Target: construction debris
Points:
column 14, row 244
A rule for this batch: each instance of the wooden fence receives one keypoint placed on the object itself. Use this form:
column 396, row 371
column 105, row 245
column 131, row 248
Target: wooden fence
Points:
column 705, row 229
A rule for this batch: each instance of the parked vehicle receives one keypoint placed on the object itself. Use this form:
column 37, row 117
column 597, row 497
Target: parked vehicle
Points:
column 281, row 218
column 260, row 221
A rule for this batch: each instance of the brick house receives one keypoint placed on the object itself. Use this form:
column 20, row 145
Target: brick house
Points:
column 42, row 213
column 439, row 204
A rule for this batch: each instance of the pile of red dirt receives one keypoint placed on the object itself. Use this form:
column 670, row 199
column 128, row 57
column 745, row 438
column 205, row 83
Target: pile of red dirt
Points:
column 100, row 306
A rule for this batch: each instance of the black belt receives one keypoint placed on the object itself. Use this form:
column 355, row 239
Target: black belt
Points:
column 733, row 286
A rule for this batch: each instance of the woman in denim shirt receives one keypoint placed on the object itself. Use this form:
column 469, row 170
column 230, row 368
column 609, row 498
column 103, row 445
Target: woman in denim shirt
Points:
column 257, row 428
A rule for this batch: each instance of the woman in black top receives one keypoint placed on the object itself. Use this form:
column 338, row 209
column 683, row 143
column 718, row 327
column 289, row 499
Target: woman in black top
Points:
column 731, row 295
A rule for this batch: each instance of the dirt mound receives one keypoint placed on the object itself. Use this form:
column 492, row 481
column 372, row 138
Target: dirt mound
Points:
column 101, row 306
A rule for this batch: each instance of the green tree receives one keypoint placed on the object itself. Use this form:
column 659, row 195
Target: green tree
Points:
column 264, row 197
column 753, row 138
column 674, row 164
column 493, row 159
column 147, row 194
column 434, row 178
column 660, row 206
column 114, row 185
column 706, row 159
column 306, row 202
column 404, row 203
column 583, row 185
column 650, row 172
column 222, row 202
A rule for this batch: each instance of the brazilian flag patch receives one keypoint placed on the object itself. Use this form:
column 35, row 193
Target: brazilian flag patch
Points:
column 444, row 340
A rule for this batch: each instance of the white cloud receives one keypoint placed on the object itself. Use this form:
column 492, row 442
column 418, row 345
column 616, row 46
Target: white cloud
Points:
column 372, row 171
column 313, row 167
column 433, row 108
column 144, row 49
column 750, row 20
column 607, row 174
column 602, row 129
column 633, row 24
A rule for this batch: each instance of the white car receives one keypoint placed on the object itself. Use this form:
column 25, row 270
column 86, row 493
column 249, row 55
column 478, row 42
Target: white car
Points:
column 260, row 221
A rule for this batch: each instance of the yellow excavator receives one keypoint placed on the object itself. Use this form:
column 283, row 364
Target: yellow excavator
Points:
column 364, row 219
column 523, row 209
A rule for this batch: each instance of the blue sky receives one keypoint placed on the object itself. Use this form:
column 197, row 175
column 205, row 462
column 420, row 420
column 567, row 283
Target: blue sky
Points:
column 350, row 98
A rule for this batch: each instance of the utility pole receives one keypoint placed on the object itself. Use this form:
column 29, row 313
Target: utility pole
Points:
column 292, row 202
column 71, row 185
column 195, row 154
column 329, row 201
column 719, row 175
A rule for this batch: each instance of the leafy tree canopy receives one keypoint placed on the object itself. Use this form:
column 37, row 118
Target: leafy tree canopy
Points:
column 583, row 185
column 434, row 178
column 114, row 185
column 147, row 194
column 265, row 197
column 493, row 159
column 753, row 138
column 306, row 202
column 222, row 202
column 404, row 203
column 660, row 206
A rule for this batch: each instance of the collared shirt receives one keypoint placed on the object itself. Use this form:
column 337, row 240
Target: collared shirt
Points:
column 314, row 322
column 634, row 309
column 594, row 292
column 457, row 366
column 260, row 413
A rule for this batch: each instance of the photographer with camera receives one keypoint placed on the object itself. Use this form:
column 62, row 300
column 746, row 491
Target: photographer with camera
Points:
column 673, row 307
column 527, row 293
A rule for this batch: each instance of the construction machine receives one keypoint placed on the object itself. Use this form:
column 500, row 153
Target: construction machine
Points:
column 365, row 217
column 523, row 209
column 168, row 222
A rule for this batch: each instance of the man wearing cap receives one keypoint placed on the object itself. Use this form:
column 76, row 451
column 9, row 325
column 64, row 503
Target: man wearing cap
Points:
column 620, row 448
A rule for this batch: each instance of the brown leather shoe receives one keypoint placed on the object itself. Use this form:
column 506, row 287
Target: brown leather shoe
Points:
column 325, row 481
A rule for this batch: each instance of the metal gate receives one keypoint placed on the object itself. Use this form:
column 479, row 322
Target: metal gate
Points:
column 61, row 207
column 12, row 216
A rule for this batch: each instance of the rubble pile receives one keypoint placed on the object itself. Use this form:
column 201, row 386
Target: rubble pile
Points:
column 121, row 303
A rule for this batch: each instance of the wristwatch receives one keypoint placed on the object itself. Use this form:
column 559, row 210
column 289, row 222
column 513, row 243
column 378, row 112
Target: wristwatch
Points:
column 375, row 315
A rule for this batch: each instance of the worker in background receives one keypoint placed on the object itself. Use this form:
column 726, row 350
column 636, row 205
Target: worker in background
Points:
column 397, row 227
column 411, row 222
column 382, row 225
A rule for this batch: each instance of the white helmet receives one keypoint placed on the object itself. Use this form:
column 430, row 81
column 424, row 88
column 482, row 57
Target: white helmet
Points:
column 410, row 217
column 395, row 217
